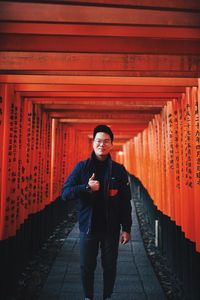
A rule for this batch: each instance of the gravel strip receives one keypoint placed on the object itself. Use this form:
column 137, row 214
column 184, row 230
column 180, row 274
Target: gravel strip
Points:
column 170, row 283
column 32, row 279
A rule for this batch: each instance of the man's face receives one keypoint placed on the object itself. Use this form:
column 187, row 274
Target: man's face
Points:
column 102, row 145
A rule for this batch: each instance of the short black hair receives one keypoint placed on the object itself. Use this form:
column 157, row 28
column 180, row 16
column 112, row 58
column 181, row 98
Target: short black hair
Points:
column 105, row 129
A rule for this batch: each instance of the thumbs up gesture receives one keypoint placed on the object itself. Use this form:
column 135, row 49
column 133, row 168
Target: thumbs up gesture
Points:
column 94, row 184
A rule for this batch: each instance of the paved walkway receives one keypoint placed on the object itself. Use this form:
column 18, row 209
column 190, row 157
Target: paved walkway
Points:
column 136, row 279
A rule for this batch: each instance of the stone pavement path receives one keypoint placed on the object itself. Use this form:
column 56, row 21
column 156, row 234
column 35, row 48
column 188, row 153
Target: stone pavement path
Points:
column 136, row 279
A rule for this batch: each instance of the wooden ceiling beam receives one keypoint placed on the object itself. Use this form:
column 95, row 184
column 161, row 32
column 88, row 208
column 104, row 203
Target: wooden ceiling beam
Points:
column 164, row 32
column 110, row 114
column 61, row 97
column 88, row 96
column 100, row 101
column 81, row 44
column 126, row 106
column 170, row 4
column 92, row 62
column 112, row 73
column 104, row 105
column 142, row 123
column 113, row 88
column 104, row 109
column 44, row 12
column 43, row 89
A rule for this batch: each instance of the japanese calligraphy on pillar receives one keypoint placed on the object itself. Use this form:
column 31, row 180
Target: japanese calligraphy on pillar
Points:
column 188, row 196
column 176, row 144
column 48, row 158
column 165, row 204
column 19, row 201
column 158, row 186
column 34, row 161
column 170, row 160
column 196, row 161
column 177, row 160
column 196, row 136
column 15, row 173
column 38, row 156
column 26, row 160
column 188, row 145
column 42, row 159
column 64, row 160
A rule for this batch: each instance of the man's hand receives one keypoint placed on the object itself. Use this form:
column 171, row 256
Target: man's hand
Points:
column 94, row 184
column 125, row 237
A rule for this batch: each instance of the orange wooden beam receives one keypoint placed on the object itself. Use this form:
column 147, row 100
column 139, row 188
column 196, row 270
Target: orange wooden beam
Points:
column 105, row 105
column 107, row 102
column 111, row 115
column 113, row 88
column 101, row 80
column 54, row 43
column 96, row 121
column 94, row 62
column 164, row 32
column 178, row 4
column 114, row 95
column 112, row 73
column 44, row 12
column 104, row 110
column 51, row 97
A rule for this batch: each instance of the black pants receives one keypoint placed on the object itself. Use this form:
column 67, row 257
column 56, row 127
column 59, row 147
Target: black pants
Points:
column 89, row 248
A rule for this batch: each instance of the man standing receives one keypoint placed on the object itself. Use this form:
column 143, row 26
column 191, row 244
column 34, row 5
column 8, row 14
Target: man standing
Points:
column 103, row 190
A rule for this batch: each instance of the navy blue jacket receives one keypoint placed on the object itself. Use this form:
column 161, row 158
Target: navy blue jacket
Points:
column 117, row 194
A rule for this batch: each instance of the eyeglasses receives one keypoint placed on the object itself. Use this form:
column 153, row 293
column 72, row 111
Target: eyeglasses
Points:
column 104, row 142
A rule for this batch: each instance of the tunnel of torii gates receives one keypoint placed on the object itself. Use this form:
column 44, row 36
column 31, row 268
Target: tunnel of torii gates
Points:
column 66, row 66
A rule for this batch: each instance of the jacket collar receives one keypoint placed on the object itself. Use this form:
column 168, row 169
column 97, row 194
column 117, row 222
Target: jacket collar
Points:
column 93, row 157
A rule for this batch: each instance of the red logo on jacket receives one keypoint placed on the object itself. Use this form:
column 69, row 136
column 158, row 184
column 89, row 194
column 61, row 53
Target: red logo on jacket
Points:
column 113, row 192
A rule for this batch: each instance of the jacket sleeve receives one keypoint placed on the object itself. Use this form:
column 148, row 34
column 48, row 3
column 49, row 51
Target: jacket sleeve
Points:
column 125, row 195
column 73, row 186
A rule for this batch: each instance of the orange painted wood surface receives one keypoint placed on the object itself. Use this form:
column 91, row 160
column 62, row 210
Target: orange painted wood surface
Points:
column 80, row 44
column 94, row 62
column 166, row 32
column 170, row 147
column 44, row 12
